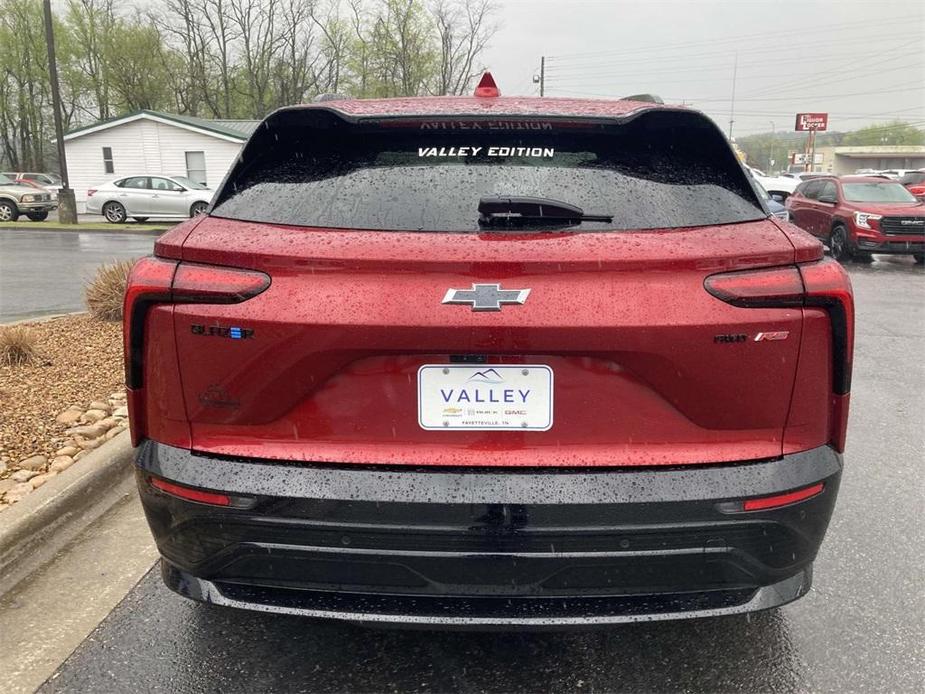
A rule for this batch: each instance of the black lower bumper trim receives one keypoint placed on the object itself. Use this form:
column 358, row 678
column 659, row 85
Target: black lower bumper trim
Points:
column 488, row 612
column 487, row 547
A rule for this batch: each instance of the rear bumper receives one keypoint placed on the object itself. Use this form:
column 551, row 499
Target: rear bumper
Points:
column 488, row 548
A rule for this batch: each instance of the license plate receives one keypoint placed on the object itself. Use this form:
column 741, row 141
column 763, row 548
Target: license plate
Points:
column 484, row 397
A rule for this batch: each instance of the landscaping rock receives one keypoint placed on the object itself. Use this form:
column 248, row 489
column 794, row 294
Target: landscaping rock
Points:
column 6, row 485
column 3, row 466
column 114, row 432
column 109, row 422
column 66, row 451
column 100, row 405
column 35, row 462
column 88, row 444
column 119, row 395
column 39, row 480
column 120, row 412
column 61, row 463
column 23, row 475
column 80, row 455
column 70, row 416
column 90, row 431
column 92, row 416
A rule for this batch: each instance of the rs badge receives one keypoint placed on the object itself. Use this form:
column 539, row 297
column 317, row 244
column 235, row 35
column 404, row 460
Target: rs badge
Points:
column 771, row 337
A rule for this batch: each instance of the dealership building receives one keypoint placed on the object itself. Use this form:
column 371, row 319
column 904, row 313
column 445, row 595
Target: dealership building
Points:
column 848, row 159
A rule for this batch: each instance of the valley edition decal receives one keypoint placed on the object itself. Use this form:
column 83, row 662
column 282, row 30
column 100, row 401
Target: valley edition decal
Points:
column 543, row 152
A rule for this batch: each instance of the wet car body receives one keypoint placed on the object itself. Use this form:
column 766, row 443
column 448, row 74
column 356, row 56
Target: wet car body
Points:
column 455, row 400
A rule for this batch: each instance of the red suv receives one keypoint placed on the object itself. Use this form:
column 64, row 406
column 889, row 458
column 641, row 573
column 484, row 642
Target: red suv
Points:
column 475, row 361
column 860, row 215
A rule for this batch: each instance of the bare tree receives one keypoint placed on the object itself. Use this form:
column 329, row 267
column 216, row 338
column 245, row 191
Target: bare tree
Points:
column 464, row 28
column 256, row 23
column 294, row 68
column 91, row 24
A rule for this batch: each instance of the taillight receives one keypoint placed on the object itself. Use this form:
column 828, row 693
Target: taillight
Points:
column 158, row 281
column 823, row 284
column 774, row 288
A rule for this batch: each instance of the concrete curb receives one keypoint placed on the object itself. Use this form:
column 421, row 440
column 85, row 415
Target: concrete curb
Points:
column 38, row 527
column 42, row 318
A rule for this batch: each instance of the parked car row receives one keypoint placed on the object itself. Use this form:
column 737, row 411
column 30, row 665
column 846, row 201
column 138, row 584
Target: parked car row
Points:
column 46, row 181
column 18, row 197
column 139, row 197
column 860, row 215
column 142, row 197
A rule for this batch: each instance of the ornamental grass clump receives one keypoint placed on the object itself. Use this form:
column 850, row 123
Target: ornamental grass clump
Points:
column 18, row 345
column 103, row 294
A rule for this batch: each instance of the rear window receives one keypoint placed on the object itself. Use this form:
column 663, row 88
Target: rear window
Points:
column 877, row 192
column 430, row 175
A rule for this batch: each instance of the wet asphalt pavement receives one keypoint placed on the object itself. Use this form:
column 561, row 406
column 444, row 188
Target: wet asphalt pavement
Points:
column 44, row 272
column 861, row 628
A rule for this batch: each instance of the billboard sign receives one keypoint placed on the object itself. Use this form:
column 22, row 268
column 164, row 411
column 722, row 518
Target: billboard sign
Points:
column 812, row 121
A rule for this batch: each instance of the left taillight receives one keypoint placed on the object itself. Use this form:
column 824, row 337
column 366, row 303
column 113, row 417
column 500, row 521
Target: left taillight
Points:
column 155, row 281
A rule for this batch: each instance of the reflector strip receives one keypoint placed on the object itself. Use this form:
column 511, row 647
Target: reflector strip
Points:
column 198, row 495
column 783, row 499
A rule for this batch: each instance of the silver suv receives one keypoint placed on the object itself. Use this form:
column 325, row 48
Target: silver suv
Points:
column 21, row 198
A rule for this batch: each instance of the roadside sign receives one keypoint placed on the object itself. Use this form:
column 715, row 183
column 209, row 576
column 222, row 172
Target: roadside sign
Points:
column 812, row 121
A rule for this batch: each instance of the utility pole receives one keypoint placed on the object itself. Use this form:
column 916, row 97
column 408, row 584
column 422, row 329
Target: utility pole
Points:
column 540, row 79
column 732, row 105
column 67, row 207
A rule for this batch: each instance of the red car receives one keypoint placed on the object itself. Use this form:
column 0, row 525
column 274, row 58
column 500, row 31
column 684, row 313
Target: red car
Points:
column 860, row 215
column 484, row 361
column 914, row 182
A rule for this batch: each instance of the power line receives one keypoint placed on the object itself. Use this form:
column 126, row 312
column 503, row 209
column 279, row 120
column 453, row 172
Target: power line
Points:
column 686, row 59
column 830, row 29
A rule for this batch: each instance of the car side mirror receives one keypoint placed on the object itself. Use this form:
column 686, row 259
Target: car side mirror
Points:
column 830, row 199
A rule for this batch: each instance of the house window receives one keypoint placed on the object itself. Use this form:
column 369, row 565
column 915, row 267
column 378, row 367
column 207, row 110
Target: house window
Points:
column 107, row 160
column 196, row 167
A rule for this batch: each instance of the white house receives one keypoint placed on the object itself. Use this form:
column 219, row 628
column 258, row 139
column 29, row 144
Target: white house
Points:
column 152, row 142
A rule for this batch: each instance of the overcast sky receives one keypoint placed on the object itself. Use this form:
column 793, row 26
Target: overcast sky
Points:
column 860, row 61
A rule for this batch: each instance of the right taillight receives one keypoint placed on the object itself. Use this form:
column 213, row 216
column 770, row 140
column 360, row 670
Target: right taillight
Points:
column 821, row 284
column 158, row 281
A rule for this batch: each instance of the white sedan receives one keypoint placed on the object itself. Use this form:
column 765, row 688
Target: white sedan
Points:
column 147, row 196
column 777, row 186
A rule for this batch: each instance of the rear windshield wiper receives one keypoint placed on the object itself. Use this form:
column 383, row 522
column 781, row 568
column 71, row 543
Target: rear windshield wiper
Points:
column 510, row 210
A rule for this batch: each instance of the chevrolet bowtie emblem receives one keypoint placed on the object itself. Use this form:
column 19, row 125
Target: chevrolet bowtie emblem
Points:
column 486, row 297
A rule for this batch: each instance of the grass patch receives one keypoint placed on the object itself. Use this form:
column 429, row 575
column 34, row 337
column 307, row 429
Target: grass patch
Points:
column 54, row 225
column 103, row 294
column 18, row 345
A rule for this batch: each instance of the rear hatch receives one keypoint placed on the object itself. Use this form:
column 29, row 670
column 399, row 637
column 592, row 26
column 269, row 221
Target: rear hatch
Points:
column 400, row 328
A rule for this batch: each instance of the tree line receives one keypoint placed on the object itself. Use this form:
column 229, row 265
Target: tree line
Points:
column 762, row 148
column 225, row 58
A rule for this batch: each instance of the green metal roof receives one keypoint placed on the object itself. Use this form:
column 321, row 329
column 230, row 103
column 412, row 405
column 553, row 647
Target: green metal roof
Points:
column 238, row 129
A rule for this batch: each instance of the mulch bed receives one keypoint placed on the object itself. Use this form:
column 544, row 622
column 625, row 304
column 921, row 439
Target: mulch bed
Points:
column 80, row 361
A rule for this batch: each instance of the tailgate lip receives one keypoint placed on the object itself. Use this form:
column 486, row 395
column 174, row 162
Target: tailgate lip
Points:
column 434, row 485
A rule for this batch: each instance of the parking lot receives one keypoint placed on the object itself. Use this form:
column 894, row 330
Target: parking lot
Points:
column 44, row 272
column 860, row 629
